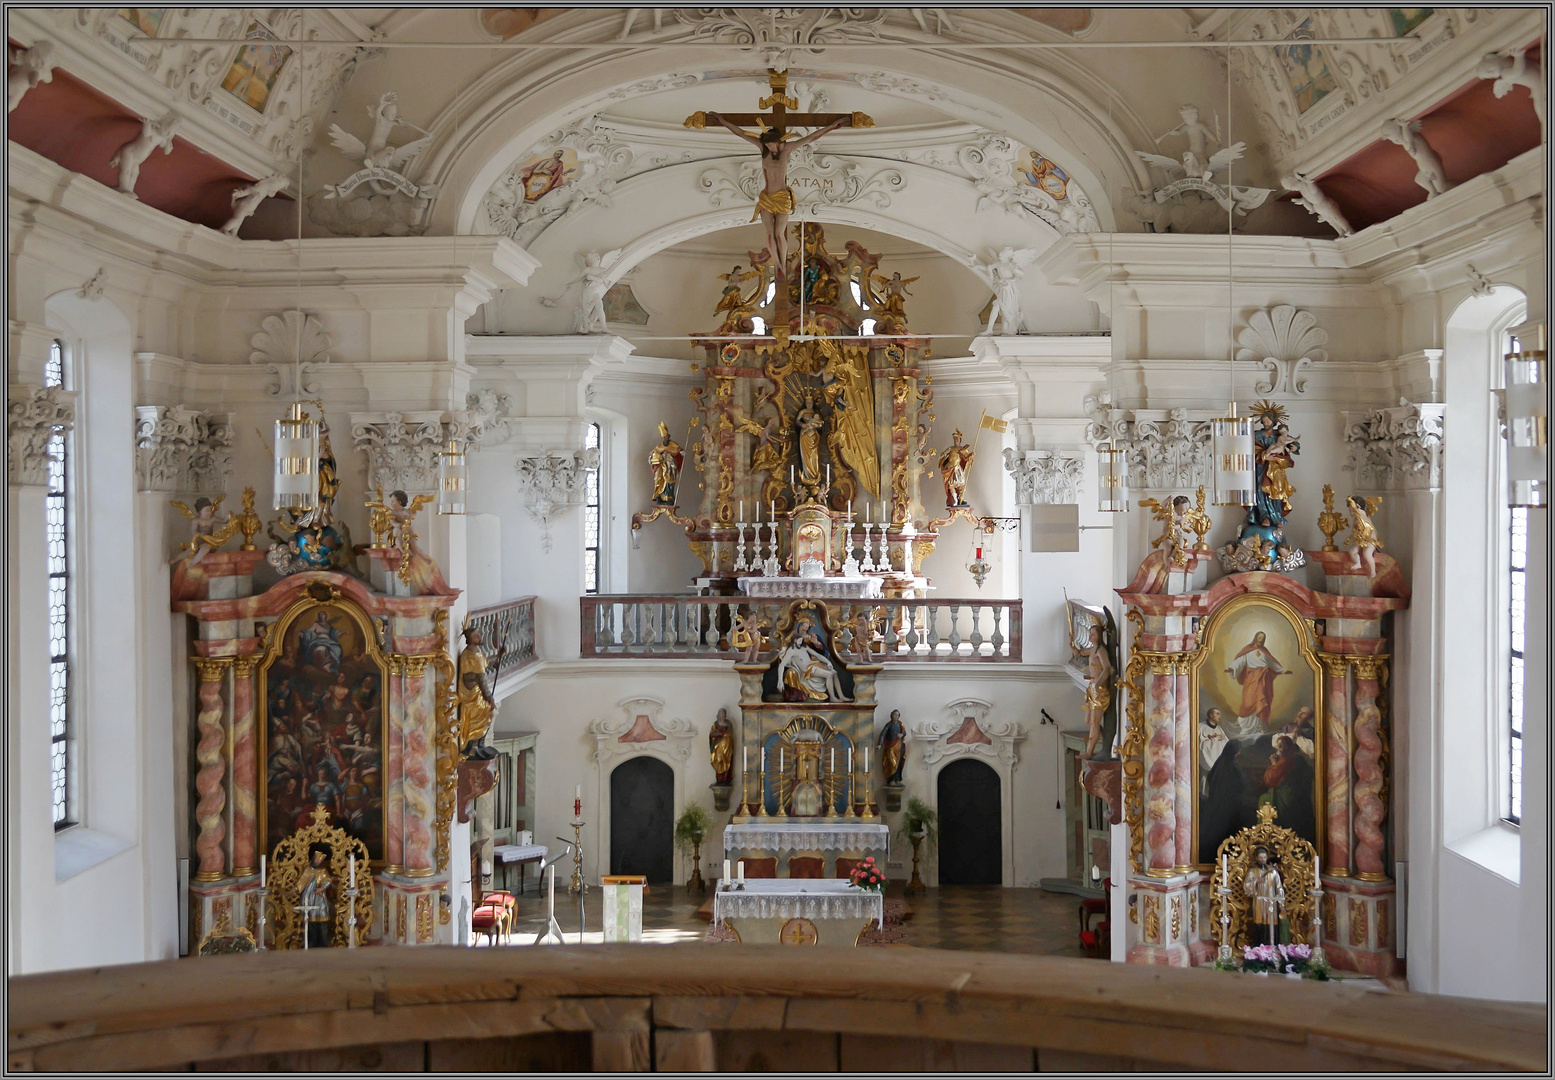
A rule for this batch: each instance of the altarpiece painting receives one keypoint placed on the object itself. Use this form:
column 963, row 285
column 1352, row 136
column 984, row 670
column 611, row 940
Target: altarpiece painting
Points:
column 1257, row 733
column 325, row 724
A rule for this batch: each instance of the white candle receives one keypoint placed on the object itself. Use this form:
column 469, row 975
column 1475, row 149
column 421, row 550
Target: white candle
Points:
column 866, row 759
column 850, row 759
column 261, row 871
column 726, row 869
column 578, row 792
column 353, row 870
column 828, row 473
column 742, row 869
column 790, row 474
column 742, row 511
column 780, row 759
column 834, row 759
column 772, row 511
column 745, row 759
column 1317, row 872
column 1225, row 873
column 850, row 511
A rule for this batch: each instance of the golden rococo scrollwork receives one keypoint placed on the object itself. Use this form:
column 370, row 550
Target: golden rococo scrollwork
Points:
column 287, row 863
column 1133, row 758
column 1293, row 857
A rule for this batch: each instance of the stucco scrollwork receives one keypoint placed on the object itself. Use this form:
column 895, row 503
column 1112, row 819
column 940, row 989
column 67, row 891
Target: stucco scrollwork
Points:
column 401, row 448
column 967, row 732
column 180, row 449
column 1397, row 448
column 33, row 415
column 551, row 482
column 1170, row 450
column 1044, row 477
column 817, row 180
column 640, row 727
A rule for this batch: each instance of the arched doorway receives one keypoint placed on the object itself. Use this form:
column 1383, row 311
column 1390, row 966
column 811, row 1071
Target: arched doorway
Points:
column 970, row 839
column 642, row 819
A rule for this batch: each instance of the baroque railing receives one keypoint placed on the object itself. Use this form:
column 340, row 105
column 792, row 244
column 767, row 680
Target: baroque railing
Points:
column 511, row 624
column 891, row 630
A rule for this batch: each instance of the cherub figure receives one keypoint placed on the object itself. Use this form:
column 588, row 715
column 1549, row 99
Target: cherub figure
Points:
column 1510, row 69
column 1175, row 533
column 892, row 294
column 1364, row 542
column 1197, row 161
column 1428, row 164
column 206, row 534
column 246, row 200
column 154, row 135
column 593, row 283
column 29, row 67
column 733, row 301
column 403, row 510
column 1314, row 200
column 747, row 635
column 376, row 152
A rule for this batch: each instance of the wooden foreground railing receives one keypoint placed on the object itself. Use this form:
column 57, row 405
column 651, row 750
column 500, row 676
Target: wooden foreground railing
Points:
column 737, row 1008
column 637, row 625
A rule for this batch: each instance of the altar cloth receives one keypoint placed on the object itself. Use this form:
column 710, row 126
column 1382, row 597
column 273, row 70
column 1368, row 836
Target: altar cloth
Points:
column 827, row 834
column 804, row 898
column 829, row 588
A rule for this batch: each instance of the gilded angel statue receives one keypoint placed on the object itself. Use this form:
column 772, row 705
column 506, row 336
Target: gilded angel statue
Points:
column 1364, row 542
column 1175, row 535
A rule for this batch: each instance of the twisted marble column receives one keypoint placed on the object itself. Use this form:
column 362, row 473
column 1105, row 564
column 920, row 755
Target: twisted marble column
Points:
column 245, row 778
column 1370, row 811
column 1183, row 773
column 1336, row 754
column 1160, row 769
column 420, row 771
column 394, row 773
column 209, row 755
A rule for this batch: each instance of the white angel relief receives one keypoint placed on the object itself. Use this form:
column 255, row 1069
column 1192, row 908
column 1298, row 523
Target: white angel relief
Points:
column 384, row 166
column 1196, row 161
column 592, row 284
column 1194, row 173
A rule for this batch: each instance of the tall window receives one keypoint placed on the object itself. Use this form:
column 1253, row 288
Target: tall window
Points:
column 591, row 518
column 57, row 524
column 1517, row 586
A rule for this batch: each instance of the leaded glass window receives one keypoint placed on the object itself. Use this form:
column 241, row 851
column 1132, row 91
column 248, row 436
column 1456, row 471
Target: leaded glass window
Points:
column 591, row 518
column 56, row 513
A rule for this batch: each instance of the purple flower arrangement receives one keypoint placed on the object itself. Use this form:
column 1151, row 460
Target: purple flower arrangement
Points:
column 1282, row 960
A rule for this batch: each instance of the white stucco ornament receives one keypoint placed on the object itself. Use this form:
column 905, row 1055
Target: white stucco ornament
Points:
column 1428, row 164
column 1312, row 198
column 380, row 198
column 33, row 415
column 1510, row 70
column 292, row 342
column 247, row 199
column 1044, row 477
column 551, row 483
column 592, row 283
column 1194, row 174
column 1286, row 341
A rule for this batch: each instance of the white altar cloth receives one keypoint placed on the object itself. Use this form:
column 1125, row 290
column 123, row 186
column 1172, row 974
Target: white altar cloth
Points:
column 826, row 835
column 520, row 852
column 829, row 588
column 797, row 898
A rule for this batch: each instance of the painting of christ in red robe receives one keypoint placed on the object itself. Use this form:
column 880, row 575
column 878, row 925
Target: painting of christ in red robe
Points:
column 1256, row 669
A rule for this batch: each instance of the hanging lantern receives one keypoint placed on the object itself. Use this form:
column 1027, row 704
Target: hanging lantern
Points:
column 452, row 479
column 1232, row 448
column 1527, row 424
column 1112, row 473
column 296, row 461
column 979, row 567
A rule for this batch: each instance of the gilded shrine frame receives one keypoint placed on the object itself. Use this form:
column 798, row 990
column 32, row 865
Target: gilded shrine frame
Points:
column 311, row 601
column 1301, row 629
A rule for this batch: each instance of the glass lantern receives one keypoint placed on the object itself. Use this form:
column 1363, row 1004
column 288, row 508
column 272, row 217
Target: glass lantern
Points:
column 1527, row 424
column 1232, row 450
column 1112, row 474
column 296, row 461
column 453, row 479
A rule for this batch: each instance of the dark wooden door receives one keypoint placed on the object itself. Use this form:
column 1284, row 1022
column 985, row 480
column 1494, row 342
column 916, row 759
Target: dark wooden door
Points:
column 642, row 819
column 970, row 844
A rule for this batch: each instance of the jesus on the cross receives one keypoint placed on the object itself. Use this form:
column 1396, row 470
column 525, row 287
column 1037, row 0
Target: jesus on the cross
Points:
column 776, row 201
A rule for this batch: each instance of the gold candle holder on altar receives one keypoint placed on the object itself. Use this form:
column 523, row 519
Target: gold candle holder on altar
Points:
column 761, row 788
column 831, row 795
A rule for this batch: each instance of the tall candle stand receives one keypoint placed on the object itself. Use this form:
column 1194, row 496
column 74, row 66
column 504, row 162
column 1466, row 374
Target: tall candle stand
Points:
column 1224, row 953
column 883, row 561
column 772, row 568
column 868, row 565
column 831, row 795
column 1316, row 892
column 302, row 917
column 852, row 790
column 576, row 885
column 351, row 895
column 264, row 908
column 739, row 547
column 745, row 791
column 761, row 787
column 870, row 809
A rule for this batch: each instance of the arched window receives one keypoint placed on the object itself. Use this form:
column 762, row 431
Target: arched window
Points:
column 56, row 509
column 591, row 513
column 1514, row 580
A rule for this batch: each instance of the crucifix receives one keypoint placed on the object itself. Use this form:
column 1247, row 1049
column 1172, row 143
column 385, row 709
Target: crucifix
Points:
column 776, row 201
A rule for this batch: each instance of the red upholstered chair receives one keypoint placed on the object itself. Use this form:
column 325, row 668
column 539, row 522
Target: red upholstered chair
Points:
column 845, row 866
column 761, row 868
column 803, row 866
column 488, row 921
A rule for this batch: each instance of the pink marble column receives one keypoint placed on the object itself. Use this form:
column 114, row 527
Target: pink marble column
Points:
column 394, row 774
column 1370, row 811
column 1183, row 778
column 1160, row 769
column 420, row 770
column 209, row 753
column 245, row 778
column 1336, row 860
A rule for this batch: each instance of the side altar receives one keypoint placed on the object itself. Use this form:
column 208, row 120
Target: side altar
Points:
column 806, row 733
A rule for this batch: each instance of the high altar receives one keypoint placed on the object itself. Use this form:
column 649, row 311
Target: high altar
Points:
column 811, row 431
column 807, row 720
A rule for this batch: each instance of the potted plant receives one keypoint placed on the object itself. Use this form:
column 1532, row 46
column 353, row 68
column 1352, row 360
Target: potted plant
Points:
column 920, row 824
column 691, row 829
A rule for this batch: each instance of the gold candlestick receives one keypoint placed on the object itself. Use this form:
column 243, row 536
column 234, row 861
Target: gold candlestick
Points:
column 761, row 790
column 576, row 886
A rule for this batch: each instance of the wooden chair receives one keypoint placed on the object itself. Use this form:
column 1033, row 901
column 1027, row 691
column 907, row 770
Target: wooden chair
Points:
column 761, row 868
column 845, row 866
column 803, row 866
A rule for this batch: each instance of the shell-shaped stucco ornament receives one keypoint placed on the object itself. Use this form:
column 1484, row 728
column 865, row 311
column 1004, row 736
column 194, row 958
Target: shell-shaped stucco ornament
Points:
column 292, row 340
column 1285, row 340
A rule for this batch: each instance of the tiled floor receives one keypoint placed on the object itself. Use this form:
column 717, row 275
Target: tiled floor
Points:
column 976, row 917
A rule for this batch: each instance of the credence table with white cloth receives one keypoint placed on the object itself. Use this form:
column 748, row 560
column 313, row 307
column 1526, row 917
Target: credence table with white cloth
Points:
column 797, row 910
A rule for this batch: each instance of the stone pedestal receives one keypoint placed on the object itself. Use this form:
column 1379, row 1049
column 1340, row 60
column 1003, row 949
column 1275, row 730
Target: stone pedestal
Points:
column 1359, row 923
column 1164, row 922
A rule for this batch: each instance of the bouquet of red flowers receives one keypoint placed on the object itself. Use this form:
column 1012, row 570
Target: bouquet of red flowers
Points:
column 866, row 875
